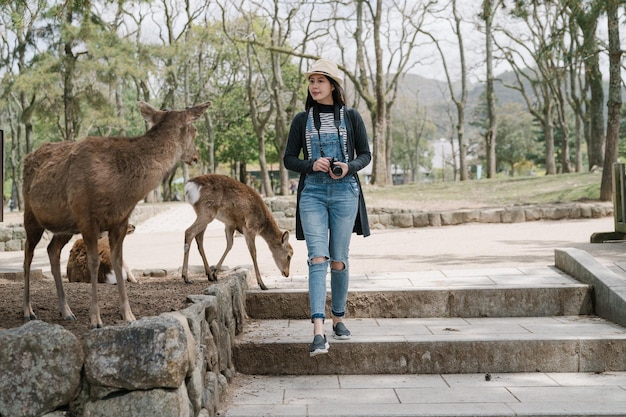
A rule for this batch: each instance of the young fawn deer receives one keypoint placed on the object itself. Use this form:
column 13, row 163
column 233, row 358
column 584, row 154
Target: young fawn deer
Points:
column 92, row 186
column 240, row 208
column 78, row 266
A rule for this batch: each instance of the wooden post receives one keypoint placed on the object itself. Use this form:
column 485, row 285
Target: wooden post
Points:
column 619, row 208
column 619, row 196
column 2, row 173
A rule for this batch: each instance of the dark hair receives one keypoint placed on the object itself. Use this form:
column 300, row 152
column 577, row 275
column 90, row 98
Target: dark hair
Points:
column 338, row 95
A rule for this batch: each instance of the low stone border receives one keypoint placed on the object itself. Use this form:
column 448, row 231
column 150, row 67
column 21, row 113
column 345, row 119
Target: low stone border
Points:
column 13, row 236
column 177, row 364
column 284, row 211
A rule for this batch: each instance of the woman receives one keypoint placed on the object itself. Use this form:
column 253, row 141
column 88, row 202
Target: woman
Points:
column 333, row 143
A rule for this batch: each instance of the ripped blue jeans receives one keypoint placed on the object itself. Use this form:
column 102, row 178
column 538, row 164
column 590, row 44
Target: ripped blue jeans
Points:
column 328, row 209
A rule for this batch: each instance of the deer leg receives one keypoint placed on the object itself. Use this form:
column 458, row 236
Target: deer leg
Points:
column 54, row 254
column 33, row 236
column 195, row 231
column 116, row 242
column 93, row 262
column 229, row 231
column 207, row 270
column 129, row 274
column 252, row 248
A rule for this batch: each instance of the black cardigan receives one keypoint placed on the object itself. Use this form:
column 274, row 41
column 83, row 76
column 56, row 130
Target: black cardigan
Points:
column 359, row 156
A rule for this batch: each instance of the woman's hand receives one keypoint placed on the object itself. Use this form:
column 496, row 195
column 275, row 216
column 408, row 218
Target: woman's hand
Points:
column 322, row 165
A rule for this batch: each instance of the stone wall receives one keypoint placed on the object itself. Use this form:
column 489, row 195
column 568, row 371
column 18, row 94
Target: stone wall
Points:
column 175, row 365
column 12, row 237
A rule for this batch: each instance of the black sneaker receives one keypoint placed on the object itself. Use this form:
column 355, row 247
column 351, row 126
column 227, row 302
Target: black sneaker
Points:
column 341, row 332
column 319, row 346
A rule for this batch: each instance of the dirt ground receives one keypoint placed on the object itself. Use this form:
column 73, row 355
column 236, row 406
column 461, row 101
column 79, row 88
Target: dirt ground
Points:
column 149, row 297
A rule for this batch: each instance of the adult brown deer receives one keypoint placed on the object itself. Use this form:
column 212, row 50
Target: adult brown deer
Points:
column 78, row 264
column 92, row 186
column 240, row 208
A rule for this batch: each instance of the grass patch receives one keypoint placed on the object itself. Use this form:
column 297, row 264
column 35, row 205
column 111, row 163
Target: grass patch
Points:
column 499, row 192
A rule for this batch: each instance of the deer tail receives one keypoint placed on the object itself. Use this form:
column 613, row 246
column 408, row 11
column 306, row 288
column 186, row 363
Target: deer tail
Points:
column 192, row 192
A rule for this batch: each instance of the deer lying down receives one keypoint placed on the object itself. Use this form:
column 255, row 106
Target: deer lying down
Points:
column 78, row 267
column 240, row 208
column 91, row 186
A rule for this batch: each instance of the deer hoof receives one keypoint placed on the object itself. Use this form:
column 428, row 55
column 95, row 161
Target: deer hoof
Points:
column 187, row 280
column 212, row 274
column 29, row 317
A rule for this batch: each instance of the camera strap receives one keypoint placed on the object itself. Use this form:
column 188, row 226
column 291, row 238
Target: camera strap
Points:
column 318, row 125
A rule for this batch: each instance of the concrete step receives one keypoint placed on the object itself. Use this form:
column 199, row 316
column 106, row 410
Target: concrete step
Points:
column 436, row 346
column 472, row 301
column 497, row 292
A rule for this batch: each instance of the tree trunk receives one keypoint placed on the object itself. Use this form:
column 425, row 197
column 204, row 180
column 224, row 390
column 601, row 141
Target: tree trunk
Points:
column 614, row 103
column 69, row 64
column 380, row 172
column 548, row 129
column 490, row 137
column 460, row 104
column 588, row 23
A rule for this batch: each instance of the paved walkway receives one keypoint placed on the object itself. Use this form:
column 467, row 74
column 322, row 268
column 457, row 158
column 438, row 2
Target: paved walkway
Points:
column 525, row 394
column 158, row 243
column 468, row 250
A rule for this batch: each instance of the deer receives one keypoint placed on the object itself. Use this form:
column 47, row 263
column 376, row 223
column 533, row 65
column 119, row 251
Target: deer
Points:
column 92, row 186
column 78, row 267
column 241, row 209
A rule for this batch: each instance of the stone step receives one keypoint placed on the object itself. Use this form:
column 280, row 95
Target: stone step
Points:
column 475, row 301
column 484, row 292
column 436, row 346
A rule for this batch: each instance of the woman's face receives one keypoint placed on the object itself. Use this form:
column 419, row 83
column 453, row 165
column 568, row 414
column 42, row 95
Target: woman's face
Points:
column 321, row 89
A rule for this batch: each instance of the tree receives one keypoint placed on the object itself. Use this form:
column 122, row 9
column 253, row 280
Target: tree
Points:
column 174, row 60
column 488, row 13
column 374, row 23
column 586, row 14
column 459, row 99
column 615, row 100
column 19, row 96
column 516, row 137
column 536, row 80
column 576, row 95
column 411, row 129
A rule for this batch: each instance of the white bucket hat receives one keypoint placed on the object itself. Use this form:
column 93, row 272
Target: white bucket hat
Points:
column 325, row 67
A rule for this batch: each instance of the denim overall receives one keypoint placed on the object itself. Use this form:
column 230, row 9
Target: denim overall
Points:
column 328, row 209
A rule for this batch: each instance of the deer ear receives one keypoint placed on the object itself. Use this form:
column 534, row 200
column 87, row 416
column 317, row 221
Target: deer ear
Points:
column 147, row 111
column 193, row 113
column 285, row 237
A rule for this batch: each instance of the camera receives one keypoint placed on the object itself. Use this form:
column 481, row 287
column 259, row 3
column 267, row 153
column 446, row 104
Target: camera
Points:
column 336, row 169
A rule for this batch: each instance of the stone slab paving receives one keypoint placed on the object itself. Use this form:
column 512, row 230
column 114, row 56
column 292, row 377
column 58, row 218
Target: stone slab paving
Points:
column 433, row 329
column 531, row 276
column 508, row 394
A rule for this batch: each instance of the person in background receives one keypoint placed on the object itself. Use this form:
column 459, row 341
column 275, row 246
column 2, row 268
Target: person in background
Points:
column 328, row 145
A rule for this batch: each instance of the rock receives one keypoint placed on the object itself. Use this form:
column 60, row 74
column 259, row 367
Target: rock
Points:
column 41, row 365
column 150, row 403
column 149, row 353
